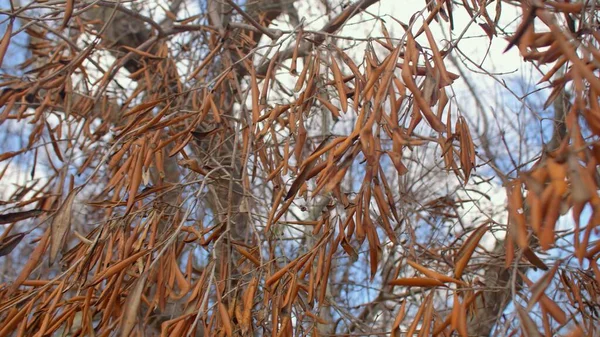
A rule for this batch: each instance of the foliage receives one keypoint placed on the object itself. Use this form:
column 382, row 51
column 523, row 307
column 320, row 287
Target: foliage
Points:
column 190, row 174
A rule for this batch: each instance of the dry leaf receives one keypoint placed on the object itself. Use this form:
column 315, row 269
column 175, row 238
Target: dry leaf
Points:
column 5, row 41
column 61, row 223
column 132, row 304
column 417, row 282
column 464, row 255
column 10, row 218
column 9, row 243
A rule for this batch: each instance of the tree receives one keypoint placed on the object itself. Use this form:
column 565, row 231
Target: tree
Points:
column 195, row 168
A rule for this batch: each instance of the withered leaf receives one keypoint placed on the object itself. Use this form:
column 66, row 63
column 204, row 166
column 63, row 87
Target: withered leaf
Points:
column 9, row 243
column 61, row 223
column 18, row 216
column 68, row 13
column 538, row 289
column 464, row 255
column 534, row 259
column 417, row 282
column 528, row 327
column 304, row 173
column 5, row 41
column 132, row 305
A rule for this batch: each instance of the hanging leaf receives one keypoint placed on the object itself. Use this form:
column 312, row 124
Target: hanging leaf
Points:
column 132, row 304
column 68, row 13
column 464, row 255
column 528, row 326
column 61, row 223
column 10, row 218
column 9, row 243
column 396, row 326
column 5, row 41
column 432, row 274
column 425, row 282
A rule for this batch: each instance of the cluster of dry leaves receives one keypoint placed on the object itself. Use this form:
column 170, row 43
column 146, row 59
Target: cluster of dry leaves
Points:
column 178, row 143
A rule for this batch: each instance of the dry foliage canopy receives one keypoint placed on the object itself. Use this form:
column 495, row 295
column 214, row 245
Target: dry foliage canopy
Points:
column 187, row 174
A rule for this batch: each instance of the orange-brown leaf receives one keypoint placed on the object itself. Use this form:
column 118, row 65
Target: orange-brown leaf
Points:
column 339, row 83
column 226, row 320
column 433, row 274
column 466, row 251
column 396, row 326
column 425, row 282
column 5, row 41
column 68, row 13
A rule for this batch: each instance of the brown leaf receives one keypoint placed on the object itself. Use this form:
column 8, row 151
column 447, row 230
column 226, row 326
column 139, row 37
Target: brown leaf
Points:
column 517, row 214
column 9, row 243
column 425, row 109
column 308, row 165
column 226, row 320
column 396, row 326
column 334, row 110
column 5, row 41
column 32, row 262
column 68, row 13
column 339, row 83
column 464, row 255
column 7, row 155
column 413, row 326
column 437, row 57
column 61, row 223
column 206, row 61
column 417, row 282
column 246, row 322
column 143, row 108
column 534, row 259
column 550, row 306
column 434, row 274
column 135, row 178
column 132, row 305
column 118, row 267
column 528, row 327
column 538, row 289
column 308, row 64
column 54, row 143
column 524, row 27
column 255, row 98
column 18, row 216
column 142, row 53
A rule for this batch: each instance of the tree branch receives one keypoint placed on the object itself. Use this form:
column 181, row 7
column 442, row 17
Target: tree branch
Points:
column 332, row 26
